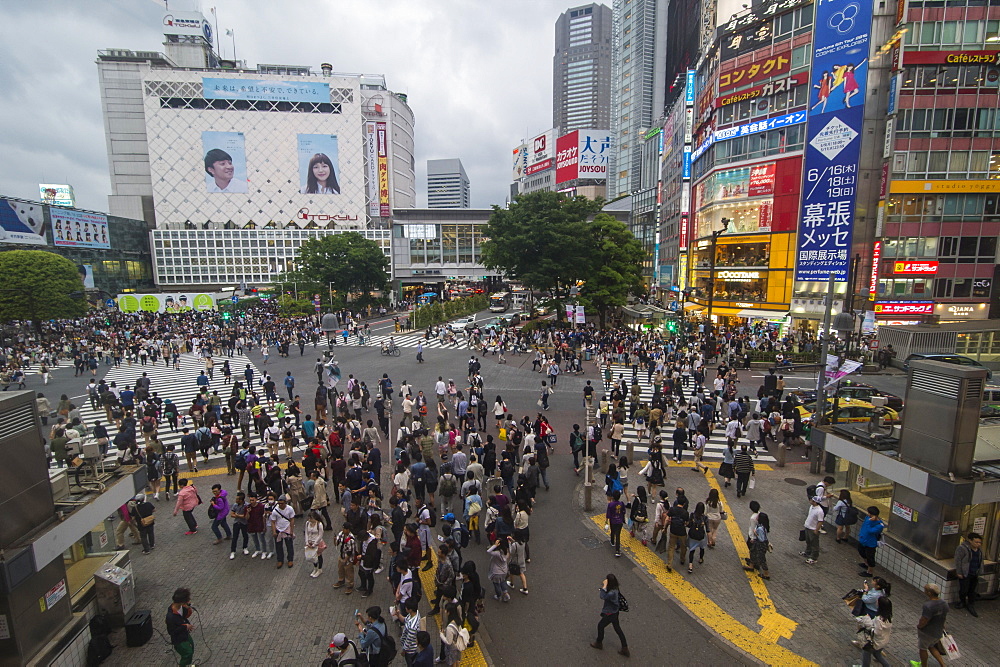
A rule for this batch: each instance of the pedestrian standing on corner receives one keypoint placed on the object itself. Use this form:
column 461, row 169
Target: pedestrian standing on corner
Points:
column 968, row 563
column 869, row 535
column 611, row 596
column 758, row 537
column 814, row 519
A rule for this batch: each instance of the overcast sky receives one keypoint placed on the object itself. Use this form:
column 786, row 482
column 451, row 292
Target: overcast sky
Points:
column 478, row 74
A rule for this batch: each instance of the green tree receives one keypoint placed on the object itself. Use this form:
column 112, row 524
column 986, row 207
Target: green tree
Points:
column 348, row 262
column 39, row 285
column 541, row 240
column 615, row 266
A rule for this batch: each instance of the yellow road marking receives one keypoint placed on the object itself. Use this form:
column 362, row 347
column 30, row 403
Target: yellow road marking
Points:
column 472, row 656
column 773, row 625
column 756, row 644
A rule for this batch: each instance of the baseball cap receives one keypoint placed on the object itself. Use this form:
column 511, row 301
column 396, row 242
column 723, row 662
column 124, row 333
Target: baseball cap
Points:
column 339, row 640
column 282, row 497
column 140, row 496
column 448, row 517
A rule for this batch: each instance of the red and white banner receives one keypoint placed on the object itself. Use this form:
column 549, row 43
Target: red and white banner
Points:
column 567, row 157
column 904, row 308
column 761, row 180
column 876, row 261
column 383, row 170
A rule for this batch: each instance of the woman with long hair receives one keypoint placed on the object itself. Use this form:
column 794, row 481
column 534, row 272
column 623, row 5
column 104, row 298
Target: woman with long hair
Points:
column 877, row 631
column 713, row 512
column 321, row 178
column 697, row 532
column 610, row 611
column 840, row 511
column 759, row 537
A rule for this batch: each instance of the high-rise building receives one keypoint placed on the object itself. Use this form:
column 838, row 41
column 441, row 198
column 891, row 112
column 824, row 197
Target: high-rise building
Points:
column 639, row 37
column 447, row 184
column 581, row 69
column 233, row 167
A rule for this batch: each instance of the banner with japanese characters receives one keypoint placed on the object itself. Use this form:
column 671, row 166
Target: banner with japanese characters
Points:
column 833, row 138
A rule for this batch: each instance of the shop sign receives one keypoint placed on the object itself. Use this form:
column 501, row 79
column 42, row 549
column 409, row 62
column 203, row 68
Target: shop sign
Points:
column 739, row 276
column 902, row 511
column 876, row 260
column 982, row 286
column 758, row 70
column 963, row 311
column 914, row 268
column 952, row 57
column 949, row 528
column 764, row 216
column 931, row 187
column 751, row 39
column 904, row 308
column 761, row 13
column 772, row 87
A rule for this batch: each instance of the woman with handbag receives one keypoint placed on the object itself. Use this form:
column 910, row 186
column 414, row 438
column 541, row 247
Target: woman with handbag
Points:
column 715, row 515
column 877, row 632
column 315, row 546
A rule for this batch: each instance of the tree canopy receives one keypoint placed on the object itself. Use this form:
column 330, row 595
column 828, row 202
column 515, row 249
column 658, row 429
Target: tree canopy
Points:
column 551, row 242
column 541, row 240
column 349, row 261
column 39, row 285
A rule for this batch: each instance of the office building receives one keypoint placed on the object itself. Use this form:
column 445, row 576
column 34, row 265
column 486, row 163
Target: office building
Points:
column 581, row 69
column 935, row 258
column 637, row 86
column 447, row 184
column 212, row 154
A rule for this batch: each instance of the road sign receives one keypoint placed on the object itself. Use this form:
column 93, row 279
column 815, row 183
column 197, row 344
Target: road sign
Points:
column 236, row 299
column 110, row 303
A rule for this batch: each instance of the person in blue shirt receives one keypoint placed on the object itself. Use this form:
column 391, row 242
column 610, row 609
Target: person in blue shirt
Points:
column 868, row 537
column 202, row 380
column 290, row 385
column 371, row 630
column 309, row 428
column 127, row 398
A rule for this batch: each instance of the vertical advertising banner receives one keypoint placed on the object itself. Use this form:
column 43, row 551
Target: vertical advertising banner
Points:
column 594, row 150
column 79, row 228
column 382, row 147
column 318, row 164
column 833, row 147
column 21, row 222
column 225, row 161
column 567, row 157
column 520, row 162
column 371, row 169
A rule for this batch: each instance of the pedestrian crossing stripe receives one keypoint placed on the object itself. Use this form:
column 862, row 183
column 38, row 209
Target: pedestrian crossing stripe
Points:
column 408, row 341
column 714, row 448
column 180, row 387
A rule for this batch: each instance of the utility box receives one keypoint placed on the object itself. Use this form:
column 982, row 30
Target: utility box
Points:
column 942, row 416
column 115, row 590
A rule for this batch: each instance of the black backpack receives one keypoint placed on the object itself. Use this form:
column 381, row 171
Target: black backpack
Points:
column 851, row 515
column 598, row 434
column 372, row 555
column 417, row 589
column 622, row 602
column 463, row 534
column 811, row 491
column 388, row 651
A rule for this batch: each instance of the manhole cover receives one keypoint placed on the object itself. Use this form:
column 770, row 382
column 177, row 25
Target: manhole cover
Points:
column 590, row 542
column 795, row 481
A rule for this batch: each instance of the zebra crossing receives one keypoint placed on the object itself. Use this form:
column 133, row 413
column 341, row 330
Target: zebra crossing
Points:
column 410, row 340
column 179, row 386
column 716, row 443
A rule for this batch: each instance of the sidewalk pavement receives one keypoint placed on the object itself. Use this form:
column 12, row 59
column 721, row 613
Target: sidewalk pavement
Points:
column 798, row 617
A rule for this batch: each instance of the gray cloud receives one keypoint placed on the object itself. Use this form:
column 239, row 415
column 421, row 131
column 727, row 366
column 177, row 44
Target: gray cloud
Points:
column 478, row 75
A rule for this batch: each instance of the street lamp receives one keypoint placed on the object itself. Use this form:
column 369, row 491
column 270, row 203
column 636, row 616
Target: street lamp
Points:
column 711, row 271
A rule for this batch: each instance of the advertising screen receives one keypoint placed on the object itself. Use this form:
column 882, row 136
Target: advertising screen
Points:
column 165, row 303
column 57, row 194
column 318, row 164
column 21, row 222
column 266, row 91
column 225, row 161
column 80, row 229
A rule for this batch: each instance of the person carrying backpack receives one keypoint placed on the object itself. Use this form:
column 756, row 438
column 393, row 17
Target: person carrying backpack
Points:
column 371, row 558
column 845, row 514
column 374, row 639
column 447, row 487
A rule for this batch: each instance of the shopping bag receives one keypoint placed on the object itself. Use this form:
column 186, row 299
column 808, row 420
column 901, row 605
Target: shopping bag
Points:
column 950, row 647
column 753, row 483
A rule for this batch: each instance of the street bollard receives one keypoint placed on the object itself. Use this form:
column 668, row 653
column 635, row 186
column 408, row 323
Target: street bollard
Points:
column 588, row 492
column 781, row 455
column 630, row 451
column 605, row 459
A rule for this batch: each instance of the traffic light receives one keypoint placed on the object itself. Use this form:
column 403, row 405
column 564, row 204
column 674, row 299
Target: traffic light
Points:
column 226, row 316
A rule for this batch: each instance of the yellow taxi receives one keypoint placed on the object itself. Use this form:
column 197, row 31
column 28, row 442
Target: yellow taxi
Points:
column 849, row 410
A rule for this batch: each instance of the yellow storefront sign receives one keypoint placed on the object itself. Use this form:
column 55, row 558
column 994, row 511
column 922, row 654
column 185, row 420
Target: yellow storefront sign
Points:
column 932, row 187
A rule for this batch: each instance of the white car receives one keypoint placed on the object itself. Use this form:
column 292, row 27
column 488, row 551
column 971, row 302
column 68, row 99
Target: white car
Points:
column 459, row 325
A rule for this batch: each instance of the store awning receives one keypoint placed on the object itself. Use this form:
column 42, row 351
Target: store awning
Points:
column 754, row 313
column 643, row 311
column 693, row 307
